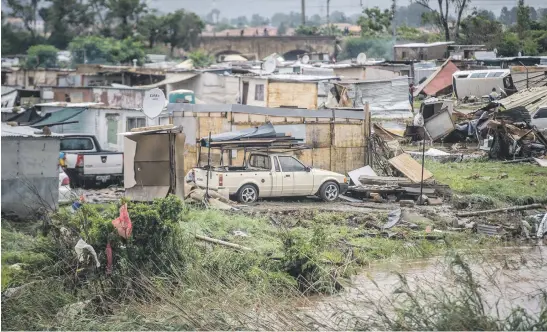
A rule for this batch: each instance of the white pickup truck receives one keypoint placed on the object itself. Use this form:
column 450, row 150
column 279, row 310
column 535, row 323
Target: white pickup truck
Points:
column 86, row 163
column 272, row 175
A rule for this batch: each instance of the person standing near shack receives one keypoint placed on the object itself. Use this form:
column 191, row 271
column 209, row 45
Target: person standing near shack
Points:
column 411, row 96
column 494, row 95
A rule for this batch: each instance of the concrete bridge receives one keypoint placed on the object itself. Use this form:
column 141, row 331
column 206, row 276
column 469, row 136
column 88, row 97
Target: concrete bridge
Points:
column 262, row 46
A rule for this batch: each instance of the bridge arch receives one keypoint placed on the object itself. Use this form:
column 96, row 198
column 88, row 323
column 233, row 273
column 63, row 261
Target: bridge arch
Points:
column 293, row 54
column 219, row 54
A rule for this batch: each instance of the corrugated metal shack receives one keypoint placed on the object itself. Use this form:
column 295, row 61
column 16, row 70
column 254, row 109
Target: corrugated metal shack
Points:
column 30, row 176
column 386, row 96
column 336, row 136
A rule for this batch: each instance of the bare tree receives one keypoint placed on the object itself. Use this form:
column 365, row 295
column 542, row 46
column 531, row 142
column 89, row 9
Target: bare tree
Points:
column 441, row 16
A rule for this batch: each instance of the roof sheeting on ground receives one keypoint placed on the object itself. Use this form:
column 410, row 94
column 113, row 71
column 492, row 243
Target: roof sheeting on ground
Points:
column 59, row 117
column 438, row 81
column 174, row 79
column 530, row 99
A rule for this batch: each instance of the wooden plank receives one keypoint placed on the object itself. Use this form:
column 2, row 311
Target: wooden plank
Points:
column 405, row 164
column 321, row 158
column 318, row 135
column 277, row 119
column 293, row 94
column 151, row 128
column 257, row 118
column 348, row 135
column 240, row 118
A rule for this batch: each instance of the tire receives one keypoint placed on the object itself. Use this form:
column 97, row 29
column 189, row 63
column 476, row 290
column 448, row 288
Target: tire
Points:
column 329, row 191
column 247, row 194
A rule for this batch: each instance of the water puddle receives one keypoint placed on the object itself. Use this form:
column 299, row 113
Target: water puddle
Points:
column 509, row 277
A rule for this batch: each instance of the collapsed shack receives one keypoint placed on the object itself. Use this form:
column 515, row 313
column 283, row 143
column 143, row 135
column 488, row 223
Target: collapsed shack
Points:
column 503, row 128
column 402, row 184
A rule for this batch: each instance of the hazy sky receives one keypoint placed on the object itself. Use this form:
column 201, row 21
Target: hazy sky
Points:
column 234, row 8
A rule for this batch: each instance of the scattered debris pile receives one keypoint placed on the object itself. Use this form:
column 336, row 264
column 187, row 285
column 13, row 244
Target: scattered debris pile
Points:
column 404, row 188
column 507, row 128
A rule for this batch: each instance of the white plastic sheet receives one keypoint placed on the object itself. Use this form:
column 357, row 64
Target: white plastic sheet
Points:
column 81, row 246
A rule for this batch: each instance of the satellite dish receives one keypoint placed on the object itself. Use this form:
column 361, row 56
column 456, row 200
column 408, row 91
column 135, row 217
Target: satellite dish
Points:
column 269, row 65
column 305, row 59
column 361, row 58
column 153, row 103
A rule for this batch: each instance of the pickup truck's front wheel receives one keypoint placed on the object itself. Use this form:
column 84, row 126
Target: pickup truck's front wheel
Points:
column 329, row 191
column 247, row 194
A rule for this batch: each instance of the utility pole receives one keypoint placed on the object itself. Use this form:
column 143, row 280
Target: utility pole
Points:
column 303, row 12
column 328, row 17
column 393, row 9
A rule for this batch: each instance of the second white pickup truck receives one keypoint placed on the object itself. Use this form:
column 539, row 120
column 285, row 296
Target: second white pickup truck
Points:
column 272, row 175
column 87, row 164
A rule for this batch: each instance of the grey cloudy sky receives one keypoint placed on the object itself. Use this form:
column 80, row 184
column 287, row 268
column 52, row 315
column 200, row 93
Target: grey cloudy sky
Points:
column 234, row 8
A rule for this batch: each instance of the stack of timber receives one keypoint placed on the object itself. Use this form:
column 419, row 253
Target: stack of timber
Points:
column 409, row 185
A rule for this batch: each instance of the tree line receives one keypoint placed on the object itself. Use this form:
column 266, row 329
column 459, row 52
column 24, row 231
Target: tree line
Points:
column 118, row 31
column 521, row 30
column 106, row 31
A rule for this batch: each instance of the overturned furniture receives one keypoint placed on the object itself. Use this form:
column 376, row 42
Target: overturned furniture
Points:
column 154, row 162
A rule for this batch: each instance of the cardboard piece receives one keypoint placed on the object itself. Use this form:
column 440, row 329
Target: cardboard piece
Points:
column 356, row 173
column 405, row 164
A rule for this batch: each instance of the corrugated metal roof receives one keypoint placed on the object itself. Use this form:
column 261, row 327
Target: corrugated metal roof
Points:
column 531, row 99
column 445, row 79
column 175, row 79
column 22, row 131
column 59, row 117
column 440, row 81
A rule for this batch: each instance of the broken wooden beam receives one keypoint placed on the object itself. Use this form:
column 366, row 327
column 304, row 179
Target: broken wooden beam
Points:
column 223, row 243
column 507, row 209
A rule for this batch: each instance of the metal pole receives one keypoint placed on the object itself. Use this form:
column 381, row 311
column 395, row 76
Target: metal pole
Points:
column 303, row 12
column 209, row 167
column 422, row 180
column 328, row 17
column 394, row 8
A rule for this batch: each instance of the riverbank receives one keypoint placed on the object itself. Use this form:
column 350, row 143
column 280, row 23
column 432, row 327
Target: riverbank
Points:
column 165, row 277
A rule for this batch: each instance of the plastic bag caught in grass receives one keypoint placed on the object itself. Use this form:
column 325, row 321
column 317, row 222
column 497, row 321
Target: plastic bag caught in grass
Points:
column 123, row 223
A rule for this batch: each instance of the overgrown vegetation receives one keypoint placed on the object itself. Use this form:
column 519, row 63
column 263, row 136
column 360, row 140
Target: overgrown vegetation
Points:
column 163, row 278
column 460, row 304
column 508, row 183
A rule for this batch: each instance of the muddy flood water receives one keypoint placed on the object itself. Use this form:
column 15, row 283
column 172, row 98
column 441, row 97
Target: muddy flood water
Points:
column 508, row 277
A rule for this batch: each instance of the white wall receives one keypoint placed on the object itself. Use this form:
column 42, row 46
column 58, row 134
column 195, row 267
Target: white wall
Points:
column 253, row 82
column 95, row 122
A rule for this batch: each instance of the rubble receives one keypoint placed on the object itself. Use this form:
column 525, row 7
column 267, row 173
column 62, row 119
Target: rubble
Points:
column 504, row 128
column 105, row 195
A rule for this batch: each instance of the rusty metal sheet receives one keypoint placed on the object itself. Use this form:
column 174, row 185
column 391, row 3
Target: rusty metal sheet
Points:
column 488, row 229
column 439, row 80
column 405, row 164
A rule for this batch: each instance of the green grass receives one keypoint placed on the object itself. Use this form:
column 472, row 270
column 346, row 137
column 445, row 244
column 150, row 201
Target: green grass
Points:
column 508, row 183
column 265, row 238
column 182, row 283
